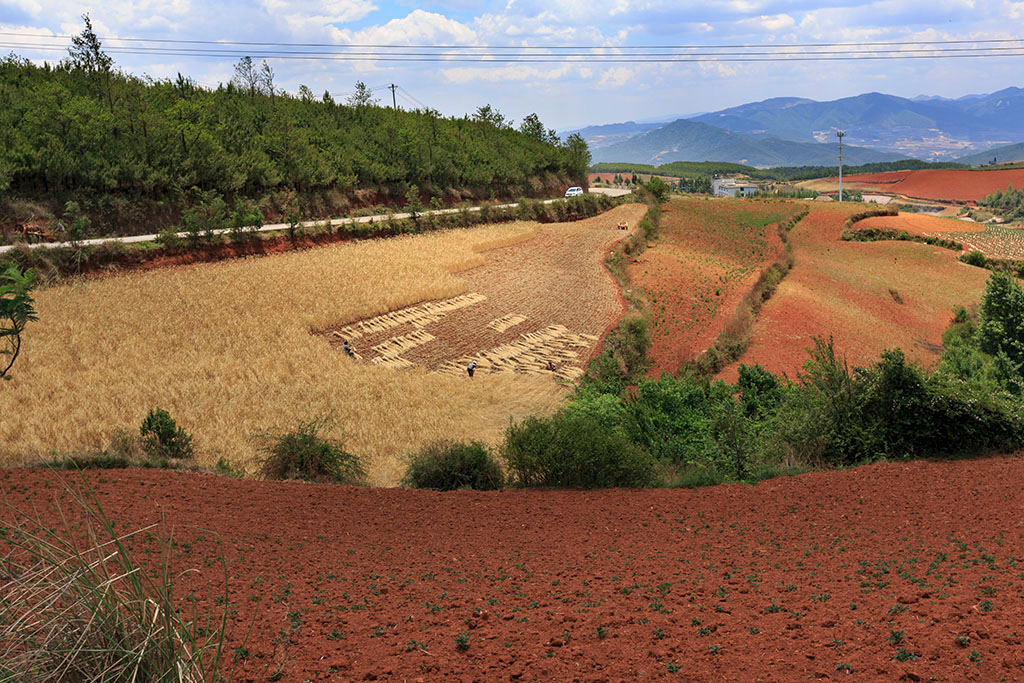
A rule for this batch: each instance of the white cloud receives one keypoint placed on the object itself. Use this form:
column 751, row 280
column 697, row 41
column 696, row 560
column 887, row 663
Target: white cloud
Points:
column 305, row 18
column 616, row 77
column 418, row 27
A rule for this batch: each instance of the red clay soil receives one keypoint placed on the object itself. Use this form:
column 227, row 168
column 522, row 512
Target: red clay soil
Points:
column 867, row 296
column 943, row 185
column 810, row 577
column 708, row 255
column 918, row 224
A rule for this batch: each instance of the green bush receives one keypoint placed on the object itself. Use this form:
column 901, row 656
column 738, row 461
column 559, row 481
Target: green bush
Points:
column 304, row 454
column 573, row 451
column 163, row 438
column 449, row 466
column 974, row 258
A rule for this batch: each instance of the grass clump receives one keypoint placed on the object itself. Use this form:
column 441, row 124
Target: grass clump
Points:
column 76, row 606
column 303, row 453
column 450, row 465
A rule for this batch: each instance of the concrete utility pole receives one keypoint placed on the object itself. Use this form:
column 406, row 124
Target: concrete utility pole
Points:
column 394, row 105
column 840, row 133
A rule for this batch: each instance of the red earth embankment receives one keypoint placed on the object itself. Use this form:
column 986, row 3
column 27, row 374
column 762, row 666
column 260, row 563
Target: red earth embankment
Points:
column 810, row 577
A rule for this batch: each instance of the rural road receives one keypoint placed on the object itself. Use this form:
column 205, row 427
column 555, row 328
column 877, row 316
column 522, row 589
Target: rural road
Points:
column 284, row 226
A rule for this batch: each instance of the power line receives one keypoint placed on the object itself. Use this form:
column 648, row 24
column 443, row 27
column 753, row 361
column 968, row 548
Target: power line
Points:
column 528, row 47
column 821, row 56
column 530, row 56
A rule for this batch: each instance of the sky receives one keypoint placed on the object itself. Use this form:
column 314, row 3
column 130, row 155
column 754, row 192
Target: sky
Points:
column 564, row 95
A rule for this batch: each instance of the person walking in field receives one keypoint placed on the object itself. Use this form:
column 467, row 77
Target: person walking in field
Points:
column 551, row 366
column 471, row 368
column 347, row 349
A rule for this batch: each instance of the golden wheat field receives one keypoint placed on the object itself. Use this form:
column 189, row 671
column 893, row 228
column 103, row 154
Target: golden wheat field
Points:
column 229, row 350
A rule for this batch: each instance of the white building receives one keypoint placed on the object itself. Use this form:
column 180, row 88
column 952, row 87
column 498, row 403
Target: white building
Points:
column 732, row 188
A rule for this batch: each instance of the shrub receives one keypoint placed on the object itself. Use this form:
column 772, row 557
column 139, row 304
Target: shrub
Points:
column 163, row 438
column 83, row 609
column 573, row 451
column 169, row 240
column 304, row 454
column 974, row 258
column 449, row 466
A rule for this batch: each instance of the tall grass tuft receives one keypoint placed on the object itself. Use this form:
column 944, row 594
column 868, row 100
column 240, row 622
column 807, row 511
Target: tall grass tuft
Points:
column 76, row 606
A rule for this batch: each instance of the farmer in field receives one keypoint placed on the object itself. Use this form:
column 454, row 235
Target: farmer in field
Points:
column 551, row 366
column 347, row 349
column 623, row 225
column 471, row 368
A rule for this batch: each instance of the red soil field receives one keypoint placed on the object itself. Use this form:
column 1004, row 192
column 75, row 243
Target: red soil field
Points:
column 843, row 289
column 917, row 224
column 809, row 577
column 943, row 185
column 707, row 257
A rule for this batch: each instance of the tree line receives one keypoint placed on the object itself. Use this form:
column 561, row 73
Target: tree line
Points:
column 85, row 126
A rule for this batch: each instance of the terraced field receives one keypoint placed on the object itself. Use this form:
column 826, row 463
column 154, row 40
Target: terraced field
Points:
column 708, row 255
column 868, row 296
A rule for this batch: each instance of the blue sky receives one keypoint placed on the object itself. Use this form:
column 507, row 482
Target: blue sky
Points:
column 563, row 95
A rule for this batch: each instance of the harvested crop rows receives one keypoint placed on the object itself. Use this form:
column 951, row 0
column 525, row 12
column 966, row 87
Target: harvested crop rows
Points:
column 869, row 296
column 543, row 301
column 802, row 578
column 707, row 257
column 994, row 241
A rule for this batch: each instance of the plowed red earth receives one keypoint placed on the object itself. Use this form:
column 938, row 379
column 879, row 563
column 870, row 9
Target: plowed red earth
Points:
column 944, row 185
column 897, row 571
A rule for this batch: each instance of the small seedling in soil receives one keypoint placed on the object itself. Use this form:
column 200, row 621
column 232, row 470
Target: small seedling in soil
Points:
column 673, row 667
column 975, row 656
column 962, row 641
column 903, row 655
column 462, row 641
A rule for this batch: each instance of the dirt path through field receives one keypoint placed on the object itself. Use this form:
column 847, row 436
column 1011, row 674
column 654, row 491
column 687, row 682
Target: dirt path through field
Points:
column 549, row 298
column 803, row 578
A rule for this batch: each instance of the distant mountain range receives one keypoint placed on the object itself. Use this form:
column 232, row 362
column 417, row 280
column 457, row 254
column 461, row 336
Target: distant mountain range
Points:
column 684, row 140
column 1000, row 155
column 886, row 126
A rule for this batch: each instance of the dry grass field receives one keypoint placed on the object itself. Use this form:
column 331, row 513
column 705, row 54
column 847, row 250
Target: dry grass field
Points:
column 230, row 350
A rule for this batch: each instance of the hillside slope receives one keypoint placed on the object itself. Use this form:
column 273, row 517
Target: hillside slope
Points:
column 1000, row 155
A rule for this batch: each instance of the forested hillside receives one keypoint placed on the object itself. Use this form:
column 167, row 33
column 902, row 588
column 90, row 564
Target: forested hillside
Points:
column 86, row 130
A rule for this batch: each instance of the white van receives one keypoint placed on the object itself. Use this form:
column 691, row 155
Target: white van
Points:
column 574, row 192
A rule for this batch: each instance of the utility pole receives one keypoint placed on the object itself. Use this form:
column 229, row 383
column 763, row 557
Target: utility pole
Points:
column 394, row 105
column 840, row 134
